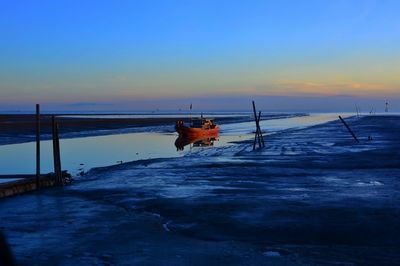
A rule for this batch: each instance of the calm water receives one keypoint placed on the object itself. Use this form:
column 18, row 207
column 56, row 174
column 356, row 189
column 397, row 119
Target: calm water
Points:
column 81, row 154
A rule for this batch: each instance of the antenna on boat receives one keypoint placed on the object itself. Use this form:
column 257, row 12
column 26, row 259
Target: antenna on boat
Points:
column 190, row 113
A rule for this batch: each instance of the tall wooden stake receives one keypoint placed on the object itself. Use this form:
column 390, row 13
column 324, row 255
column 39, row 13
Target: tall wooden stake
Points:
column 56, row 152
column 60, row 177
column 258, row 134
column 53, row 133
column 37, row 145
column 349, row 129
column 259, row 129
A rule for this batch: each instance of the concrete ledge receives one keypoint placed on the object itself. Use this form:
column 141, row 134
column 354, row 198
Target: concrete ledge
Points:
column 25, row 185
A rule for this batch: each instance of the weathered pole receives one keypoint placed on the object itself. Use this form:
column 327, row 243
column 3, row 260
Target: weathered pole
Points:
column 256, row 135
column 59, row 155
column 258, row 129
column 255, row 118
column 55, row 150
column 37, row 145
column 53, row 134
column 349, row 129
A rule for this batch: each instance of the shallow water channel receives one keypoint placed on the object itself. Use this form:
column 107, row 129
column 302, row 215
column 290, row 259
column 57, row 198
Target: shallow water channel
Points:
column 82, row 154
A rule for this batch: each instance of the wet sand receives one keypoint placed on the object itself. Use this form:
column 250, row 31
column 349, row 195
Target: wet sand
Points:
column 311, row 197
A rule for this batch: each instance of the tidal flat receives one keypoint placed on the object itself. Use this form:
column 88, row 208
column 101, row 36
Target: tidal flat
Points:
column 312, row 196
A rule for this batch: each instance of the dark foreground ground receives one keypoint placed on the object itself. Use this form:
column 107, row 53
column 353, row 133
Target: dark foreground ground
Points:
column 311, row 197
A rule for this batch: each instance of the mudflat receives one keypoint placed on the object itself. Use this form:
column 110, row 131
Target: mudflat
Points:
column 312, row 196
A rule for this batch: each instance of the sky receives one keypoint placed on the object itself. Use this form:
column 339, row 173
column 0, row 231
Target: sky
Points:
column 147, row 55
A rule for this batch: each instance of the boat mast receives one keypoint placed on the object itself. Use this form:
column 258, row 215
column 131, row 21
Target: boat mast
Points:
column 190, row 114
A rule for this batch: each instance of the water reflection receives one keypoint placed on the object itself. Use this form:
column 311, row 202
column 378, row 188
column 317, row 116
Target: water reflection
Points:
column 81, row 154
column 183, row 141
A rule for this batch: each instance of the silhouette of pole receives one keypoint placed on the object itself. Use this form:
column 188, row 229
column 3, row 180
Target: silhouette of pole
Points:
column 256, row 136
column 258, row 129
column 58, row 158
column 37, row 145
column 349, row 129
column 56, row 151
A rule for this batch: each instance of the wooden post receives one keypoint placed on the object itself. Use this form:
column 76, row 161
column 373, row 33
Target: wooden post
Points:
column 56, row 152
column 255, row 136
column 37, row 145
column 349, row 129
column 59, row 155
column 258, row 129
column 53, row 134
column 258, row 134
column 255, row 117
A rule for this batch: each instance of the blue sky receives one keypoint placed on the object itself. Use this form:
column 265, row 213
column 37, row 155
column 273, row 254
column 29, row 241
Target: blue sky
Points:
column 117, row 54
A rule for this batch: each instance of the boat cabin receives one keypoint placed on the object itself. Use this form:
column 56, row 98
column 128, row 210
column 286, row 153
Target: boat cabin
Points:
column 203, row 123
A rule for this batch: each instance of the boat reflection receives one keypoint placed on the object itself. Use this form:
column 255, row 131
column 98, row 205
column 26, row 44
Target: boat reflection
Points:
column 202, row 141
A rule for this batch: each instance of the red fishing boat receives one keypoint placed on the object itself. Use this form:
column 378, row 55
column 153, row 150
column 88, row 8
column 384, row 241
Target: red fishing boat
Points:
column 199, row 127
